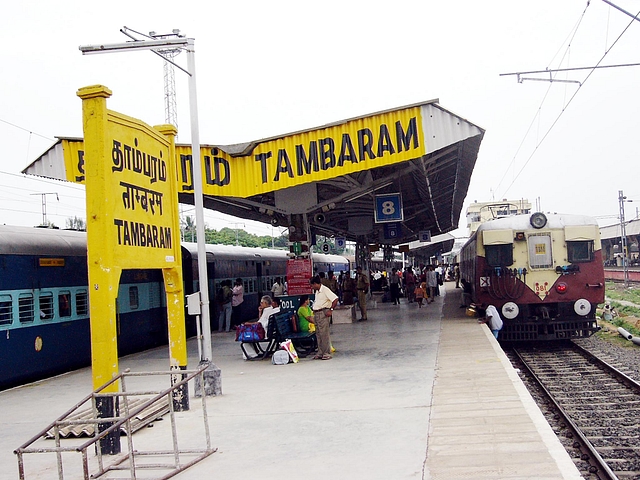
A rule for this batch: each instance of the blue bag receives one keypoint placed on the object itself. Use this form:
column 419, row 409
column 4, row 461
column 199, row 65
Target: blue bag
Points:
column 249, row 333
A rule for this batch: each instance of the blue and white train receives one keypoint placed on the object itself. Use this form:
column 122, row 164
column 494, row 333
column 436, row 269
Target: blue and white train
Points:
column 44, row 298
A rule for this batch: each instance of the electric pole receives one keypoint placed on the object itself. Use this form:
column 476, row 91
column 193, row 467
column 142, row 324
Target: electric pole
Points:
column 623, row 237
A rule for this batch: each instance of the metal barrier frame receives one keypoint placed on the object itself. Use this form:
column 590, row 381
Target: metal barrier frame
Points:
column 120, row 422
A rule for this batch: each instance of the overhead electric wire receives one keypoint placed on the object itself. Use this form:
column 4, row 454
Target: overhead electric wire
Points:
column 567, row 105
column 30, row 207
column 27, row 130
column 570, row 37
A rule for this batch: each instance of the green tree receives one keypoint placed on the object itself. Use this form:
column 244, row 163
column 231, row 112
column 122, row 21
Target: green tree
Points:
column 76, row 223
column 188, row 226
column 230, row 236
column 49, row 224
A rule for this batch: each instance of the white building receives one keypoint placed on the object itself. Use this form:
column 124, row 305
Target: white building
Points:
column 480, row 212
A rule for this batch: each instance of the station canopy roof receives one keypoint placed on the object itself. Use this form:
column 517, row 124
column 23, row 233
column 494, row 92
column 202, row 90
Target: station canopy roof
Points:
column 330, row 175
column 632, row 228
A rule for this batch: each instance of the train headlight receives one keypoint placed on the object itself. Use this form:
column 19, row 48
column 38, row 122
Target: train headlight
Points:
column 510, row 310
column 582, row 307
column 561, row 287
column 538, row 220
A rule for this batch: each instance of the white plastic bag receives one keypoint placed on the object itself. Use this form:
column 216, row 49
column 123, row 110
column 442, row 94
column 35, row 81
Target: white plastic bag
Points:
column 287, row 345
column 280, row 357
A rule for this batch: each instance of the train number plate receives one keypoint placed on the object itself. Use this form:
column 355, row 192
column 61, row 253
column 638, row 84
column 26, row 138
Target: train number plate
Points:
column 542, row 289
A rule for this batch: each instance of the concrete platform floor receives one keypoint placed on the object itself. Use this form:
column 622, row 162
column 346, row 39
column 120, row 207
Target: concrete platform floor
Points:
column 408, row 395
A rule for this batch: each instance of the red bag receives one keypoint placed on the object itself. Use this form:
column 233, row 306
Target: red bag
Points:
column 294, row 323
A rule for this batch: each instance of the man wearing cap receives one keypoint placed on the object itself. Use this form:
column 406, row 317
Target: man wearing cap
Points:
column 323, row 306
column 362, row 287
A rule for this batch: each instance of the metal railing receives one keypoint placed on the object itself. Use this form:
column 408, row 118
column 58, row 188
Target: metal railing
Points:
column 131, row 460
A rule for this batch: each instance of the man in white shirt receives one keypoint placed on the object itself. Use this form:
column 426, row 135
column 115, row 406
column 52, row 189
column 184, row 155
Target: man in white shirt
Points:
column 432, row 283
column 492, row 319
column 277, row 289
column 265, row 310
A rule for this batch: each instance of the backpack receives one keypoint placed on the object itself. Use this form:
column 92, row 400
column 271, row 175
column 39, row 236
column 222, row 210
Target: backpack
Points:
column 227, row 294
column 220, row 295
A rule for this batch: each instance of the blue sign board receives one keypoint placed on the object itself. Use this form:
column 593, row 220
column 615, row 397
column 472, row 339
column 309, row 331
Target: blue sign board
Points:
column 392, row 230
column 341, row 242
column 389, row 208
column 425, row 235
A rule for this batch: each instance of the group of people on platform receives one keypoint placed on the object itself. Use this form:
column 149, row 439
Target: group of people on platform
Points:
column 316, row 319
column 229, row 300
column 420, row 285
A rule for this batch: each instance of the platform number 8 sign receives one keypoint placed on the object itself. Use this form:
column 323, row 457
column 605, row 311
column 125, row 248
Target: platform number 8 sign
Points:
column 389, row 208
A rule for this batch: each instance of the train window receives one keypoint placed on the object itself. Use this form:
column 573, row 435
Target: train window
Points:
column 82, row 302
column 499, row 255
column 46, row 306
column 25, row 307
column 580, row 251
column 6, row 310
column 64, row 303
column 134, row 300
column 540, row 251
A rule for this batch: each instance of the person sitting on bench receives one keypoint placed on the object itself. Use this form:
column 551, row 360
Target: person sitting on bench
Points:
column 306, row 319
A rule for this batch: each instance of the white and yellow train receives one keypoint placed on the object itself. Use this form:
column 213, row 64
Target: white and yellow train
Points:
column 543, row 273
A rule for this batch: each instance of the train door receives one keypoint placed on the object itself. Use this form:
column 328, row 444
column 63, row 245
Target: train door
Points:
column 213, row 308
column 259, row 279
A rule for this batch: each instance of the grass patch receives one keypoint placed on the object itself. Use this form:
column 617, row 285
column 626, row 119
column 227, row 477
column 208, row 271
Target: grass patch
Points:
column 628, row 316
column 617, row 291
column 632, row 329
column 626, row 311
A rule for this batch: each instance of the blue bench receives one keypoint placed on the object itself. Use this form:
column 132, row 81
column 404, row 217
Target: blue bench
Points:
column 305, row 343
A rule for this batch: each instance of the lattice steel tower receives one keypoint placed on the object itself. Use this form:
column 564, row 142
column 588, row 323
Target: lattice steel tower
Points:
column 170, row 103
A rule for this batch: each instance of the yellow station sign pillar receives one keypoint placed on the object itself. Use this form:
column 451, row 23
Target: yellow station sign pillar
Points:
column 132, row 223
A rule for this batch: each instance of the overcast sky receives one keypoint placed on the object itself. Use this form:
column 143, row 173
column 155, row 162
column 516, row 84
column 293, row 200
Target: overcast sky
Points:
column 266, row 68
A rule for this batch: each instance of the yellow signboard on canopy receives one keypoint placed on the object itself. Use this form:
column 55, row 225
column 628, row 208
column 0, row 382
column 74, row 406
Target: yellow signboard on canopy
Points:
column 310, row 156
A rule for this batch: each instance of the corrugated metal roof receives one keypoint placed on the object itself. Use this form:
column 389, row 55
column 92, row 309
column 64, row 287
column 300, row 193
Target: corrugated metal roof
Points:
column 433, row 186
column 632, row 228
column 143, row 419
column 51, row 163
column 247, row 147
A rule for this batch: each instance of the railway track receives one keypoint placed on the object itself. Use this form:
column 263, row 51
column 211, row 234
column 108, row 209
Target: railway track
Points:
column 592, row 406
